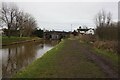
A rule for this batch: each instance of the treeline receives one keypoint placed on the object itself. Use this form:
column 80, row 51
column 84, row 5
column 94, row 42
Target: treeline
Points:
column 106, row 32
column 106, row 29
column 17, row 22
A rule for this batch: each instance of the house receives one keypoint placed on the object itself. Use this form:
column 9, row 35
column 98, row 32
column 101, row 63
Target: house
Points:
column 90, row 31
column 86, row 31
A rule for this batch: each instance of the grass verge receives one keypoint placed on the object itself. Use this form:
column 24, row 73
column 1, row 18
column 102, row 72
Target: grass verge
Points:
column 12, row 39
column 113, row 57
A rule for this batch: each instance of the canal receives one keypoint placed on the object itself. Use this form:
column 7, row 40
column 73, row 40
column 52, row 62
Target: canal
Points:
column 17, row 57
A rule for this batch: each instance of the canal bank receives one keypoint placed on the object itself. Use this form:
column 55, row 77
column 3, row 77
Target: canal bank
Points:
column 18, row 40
column 68, row 59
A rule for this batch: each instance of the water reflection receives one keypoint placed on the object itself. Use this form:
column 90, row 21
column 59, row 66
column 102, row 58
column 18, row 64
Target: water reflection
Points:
column 16, row 57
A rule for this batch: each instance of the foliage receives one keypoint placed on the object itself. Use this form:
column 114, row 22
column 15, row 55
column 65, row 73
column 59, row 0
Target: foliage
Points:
column 106, row 29
column 15, row 20
column 38, row 33
column 111, row 46
column 107, row 33
column 13, row 32
column 13, row 39
column 87, row 38
column 75, row 33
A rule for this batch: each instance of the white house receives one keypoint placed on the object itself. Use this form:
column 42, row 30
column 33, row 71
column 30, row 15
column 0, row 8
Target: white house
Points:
column 90, row 31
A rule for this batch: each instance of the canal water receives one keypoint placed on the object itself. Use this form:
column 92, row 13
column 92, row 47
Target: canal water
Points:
column 17, row 57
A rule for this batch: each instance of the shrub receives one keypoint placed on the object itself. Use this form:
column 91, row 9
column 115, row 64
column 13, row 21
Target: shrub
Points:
column 111, row 46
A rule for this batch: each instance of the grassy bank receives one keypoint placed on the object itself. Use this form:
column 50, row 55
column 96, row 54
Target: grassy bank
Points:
column 13, row 40
column 101, row 49
column 112, row 57
column 64, row 61
column 103, row 52
column 107, row 54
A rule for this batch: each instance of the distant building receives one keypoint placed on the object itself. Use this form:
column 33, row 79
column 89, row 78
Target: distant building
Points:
column 90, row 31
column 86, row 31
column 55, row 35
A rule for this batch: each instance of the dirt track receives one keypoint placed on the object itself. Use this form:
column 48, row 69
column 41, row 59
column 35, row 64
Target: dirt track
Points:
column 102, row 62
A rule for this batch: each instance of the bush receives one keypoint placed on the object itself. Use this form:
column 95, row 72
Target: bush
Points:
column 111, row 46
column 88, row 38
column 107, row 33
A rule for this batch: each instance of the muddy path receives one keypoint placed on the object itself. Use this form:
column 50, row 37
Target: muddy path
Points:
column 105, row 65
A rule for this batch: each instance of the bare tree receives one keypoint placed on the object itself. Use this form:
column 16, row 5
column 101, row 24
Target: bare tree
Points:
column 25, row 23
column 105, row 26
column 109, row 19
column 16, row 20
column 8, row 14
column 20, row 22
column 29, row 24
column 102, row 19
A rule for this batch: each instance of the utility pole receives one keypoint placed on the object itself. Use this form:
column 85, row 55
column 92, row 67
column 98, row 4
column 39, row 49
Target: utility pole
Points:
column 71, row 27
column 43, row 33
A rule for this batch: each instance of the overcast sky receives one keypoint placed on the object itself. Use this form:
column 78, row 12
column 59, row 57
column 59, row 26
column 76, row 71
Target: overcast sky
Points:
column 60, row 15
